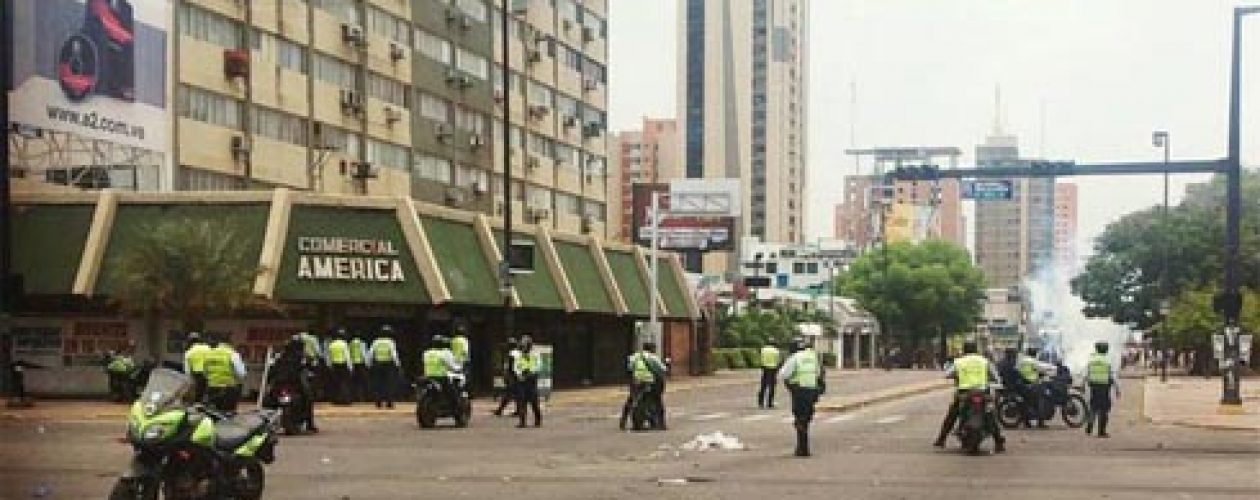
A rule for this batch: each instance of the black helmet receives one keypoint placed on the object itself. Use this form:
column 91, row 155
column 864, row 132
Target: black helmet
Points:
column 340, row 332
column 1031, row 351
column 649, row 346
column 799, row 344
column 1101, row 346
column 460, row 329
column 511, row 341
column 439, row 342
column 194, row 337
column 970, row 347
column 386, row 330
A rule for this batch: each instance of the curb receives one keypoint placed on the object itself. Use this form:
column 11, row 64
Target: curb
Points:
column 1189, row 424
column 895, row 393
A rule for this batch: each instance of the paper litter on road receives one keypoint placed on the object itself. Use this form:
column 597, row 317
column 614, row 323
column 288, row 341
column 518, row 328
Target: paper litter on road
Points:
column 714, row 441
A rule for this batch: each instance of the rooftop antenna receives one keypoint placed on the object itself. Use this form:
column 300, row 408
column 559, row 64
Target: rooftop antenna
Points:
column 853, row 111
column 997, row 110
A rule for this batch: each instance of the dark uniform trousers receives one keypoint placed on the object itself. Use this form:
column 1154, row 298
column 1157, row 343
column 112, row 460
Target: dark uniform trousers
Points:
column 803, row 401
column 765, row 395
column 383, row 381
column 359, row 383
column 340, row 383
column 1099, row 407
column 527, row 399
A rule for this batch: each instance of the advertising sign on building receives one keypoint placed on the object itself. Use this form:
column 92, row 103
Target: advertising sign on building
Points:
column 94, row 68
column 678, row 232
column 987, row 190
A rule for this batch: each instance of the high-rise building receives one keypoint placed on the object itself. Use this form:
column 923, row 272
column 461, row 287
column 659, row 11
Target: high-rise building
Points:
column 645, row 156
column 934, row 207
column 743, row 104
column 1014, row 238
column 1065, row 253
column 389, row 97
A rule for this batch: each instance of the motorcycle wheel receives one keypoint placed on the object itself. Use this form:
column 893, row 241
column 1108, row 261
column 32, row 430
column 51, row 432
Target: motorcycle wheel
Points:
column 138, row 489
column 639, row 418
column 464, row 414
column 288, row 422
column 250, row 480
column 1075, row 411
column 1010, row 413
column 187, row 484
column 424, row 414
column 971, row 442
column 1047, row 409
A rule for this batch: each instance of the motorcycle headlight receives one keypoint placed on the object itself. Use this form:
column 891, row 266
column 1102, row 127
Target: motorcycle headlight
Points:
column 285, row 399
column 153, row 432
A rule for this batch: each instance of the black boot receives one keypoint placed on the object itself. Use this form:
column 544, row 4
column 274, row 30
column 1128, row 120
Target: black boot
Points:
column 802, row 441
column 1102, row 426
column 999, row 444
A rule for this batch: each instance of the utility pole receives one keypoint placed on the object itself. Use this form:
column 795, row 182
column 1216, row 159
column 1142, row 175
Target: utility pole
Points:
column 505, row 266
column 8, row 289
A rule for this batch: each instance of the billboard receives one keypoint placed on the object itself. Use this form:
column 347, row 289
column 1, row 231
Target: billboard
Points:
column 908, row 222
column 75, row 69
column 987, row 190
column 678, row 232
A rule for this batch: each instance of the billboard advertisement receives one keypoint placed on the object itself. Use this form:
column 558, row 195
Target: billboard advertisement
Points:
column 678, row 232
column 909, row 222
column 92, row 68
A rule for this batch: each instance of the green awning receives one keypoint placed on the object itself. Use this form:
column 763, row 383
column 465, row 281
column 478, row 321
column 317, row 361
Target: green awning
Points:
column 672, row 294
column 462, row 261
column 588, row 286
column 626, row 270
column 340, row 254
column 48, row 243
column 249, row 221
column 536, row 289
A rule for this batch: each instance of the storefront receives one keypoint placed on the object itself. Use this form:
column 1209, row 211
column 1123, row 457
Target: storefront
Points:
column 326, row 261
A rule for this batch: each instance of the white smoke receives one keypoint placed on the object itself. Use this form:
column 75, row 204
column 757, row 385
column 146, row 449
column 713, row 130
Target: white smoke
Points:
column 1069, row 334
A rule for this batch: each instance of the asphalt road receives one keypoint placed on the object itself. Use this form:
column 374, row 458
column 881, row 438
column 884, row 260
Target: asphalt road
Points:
column 882, row 451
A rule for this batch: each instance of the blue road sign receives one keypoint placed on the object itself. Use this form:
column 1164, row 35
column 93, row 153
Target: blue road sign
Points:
column 987, row 190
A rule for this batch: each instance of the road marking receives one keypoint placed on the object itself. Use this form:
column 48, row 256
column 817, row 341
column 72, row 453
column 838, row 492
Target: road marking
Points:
column 757, row 417
column 787, row 420
column 709, row 416
column 891, row 419
column 840, row 418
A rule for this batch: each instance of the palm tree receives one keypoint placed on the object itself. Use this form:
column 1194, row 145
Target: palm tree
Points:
column 186, row 269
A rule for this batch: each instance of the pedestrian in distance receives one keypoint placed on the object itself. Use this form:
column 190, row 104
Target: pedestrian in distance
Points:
column 383, row 362
column 804, row 376
column 770, row 361
column 1102, row 378
column 526, row 367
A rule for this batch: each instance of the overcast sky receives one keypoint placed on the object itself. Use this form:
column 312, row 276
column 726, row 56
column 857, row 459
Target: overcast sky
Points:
column 1099, row 74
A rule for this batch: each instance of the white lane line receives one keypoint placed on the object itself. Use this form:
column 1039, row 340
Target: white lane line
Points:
column 757, row 417
column 615, row 415
column 787, row 420
column 709, row 416
column 892, row 419
column 677, row 413
column 840, row 418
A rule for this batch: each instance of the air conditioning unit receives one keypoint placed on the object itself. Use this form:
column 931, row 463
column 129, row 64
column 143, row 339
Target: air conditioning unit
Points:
column 592, row 129
column 465, row 22
column 464, row 81
column 351, row 101
column 453, row 14
column 588, row 224
column 353, row 35
column 540, row 214
column 236, row 63
column 392, row 115
column 590, row 84
column 567, row 25
column 240, row 147
column 588, row 34
column 532, row 162
column 442, row 131
column 362, row 171
column 396, row 51
column 454, row 196
column 452, row 76
column 538, row 110
column 479, row 188
column 589, row 178
column 533, row 56
column 570, row 121
column 475, row 141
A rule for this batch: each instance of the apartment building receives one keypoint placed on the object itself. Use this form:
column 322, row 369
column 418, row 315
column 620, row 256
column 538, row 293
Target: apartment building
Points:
column 1015, row 238
column 644, row 156
column 393, row 97
column 936, row 206
column 1065, row 223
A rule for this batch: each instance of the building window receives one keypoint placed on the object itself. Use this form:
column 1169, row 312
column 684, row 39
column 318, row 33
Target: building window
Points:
column 566, row 106
column 567, row 204
column 595, row 210
column 540, row 145
column 209, row 107
column 195, row 179
column 208, row 26
column 344, row 10
column 472, row 64
column 571, row 59
column 475, row 9
column 568, row 10
column 598, row 26
column 470, row 120
column 335, row 72
column 432, row 168
column 433, row 47
column 347, row 143
column 387, row 89
column 594, row 71
column 279, row 126
column 435, row 108
column 285, row 53
column 470, row 175
column 539, row 95
column 387, row 155
column 539, row 197
column 388, row 25
column 595, row 166
column 567, row 156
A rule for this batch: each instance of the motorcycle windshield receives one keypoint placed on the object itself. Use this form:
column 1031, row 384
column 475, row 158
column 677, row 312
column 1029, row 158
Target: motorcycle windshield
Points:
column 166, row 388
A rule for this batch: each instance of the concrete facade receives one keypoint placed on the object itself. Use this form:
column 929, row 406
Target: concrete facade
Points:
column 1066, row 257
column 940, row 202
column 648, row 155
column 1014, row 238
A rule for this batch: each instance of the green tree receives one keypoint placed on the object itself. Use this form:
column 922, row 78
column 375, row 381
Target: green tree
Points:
column 754, row 327
column 1192, row 322
column 187, row 270
column 918, row 292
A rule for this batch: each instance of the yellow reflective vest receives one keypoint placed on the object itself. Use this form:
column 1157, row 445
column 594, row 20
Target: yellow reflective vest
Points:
column 338, row 352
column 769, row 357
column 972, row 372
column 219, row 372
column 1098, row 371
column 807, row 369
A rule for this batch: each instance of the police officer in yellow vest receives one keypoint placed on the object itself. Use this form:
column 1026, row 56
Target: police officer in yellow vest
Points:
column 195, row 364
column 647, row 373
column 526, row 368
column 1030, row 371
column 438, row 363
column 224, row 373
column 769, row 368
column 359, row 370
column 310, row 348
column 120, row 368
column 460, row 347
column 340, row 368
column 1102, row 379
column 382, row 359
column 803, row 373
column 971, row 371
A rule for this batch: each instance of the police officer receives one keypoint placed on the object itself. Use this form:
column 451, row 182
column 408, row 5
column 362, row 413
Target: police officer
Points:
column 510, row 382
column 438, row 364
column 803, row 374
column 769, row 368
column 647, row 375
column 970, row 372
column 1030, row 371
column 340, row 368
column 526, row 368
column 291, row 368
column 359, row 370
column 383, row 361
column 224, row 373
column 310, row 348
column 1102, row 379
column 460, row 347
column 195, row 364
column 121, row 368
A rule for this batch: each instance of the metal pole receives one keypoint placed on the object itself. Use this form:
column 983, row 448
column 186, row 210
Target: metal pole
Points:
column 7, row 289
column 656, row 242
column 1164, row 310
column 1230, row 301
column 505, row 268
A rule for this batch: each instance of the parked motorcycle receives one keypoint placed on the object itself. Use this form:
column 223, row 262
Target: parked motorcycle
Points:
column 433, row 403
column 645, row 413
column 191, row 452
column 294, row 409
column 971, row 430
column 1056, row 397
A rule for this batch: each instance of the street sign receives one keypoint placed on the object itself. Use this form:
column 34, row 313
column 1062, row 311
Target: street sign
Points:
column 987, row 190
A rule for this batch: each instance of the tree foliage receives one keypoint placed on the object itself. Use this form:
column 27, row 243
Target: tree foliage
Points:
column 918, row 291
column 1123, row 280
column 1192, row 321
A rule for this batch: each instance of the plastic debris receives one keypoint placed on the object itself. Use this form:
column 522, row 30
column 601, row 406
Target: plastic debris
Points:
column 42, row 490
column 671, row 481
column 714, row 441
column 325, row 460
column 41, row 429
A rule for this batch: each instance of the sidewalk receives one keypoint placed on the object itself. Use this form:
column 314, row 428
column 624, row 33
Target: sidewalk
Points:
column 1195, row 402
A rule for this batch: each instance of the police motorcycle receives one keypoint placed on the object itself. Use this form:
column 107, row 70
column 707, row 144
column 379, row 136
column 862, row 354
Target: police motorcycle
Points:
column 1056, row 396
column 645, row 412
column 288, row 400
column 433, row 403
column 971, row 429
column 192, row 452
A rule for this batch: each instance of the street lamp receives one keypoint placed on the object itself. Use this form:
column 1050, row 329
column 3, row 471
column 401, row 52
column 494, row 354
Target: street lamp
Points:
column 1160, row 139
column 505, row 266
